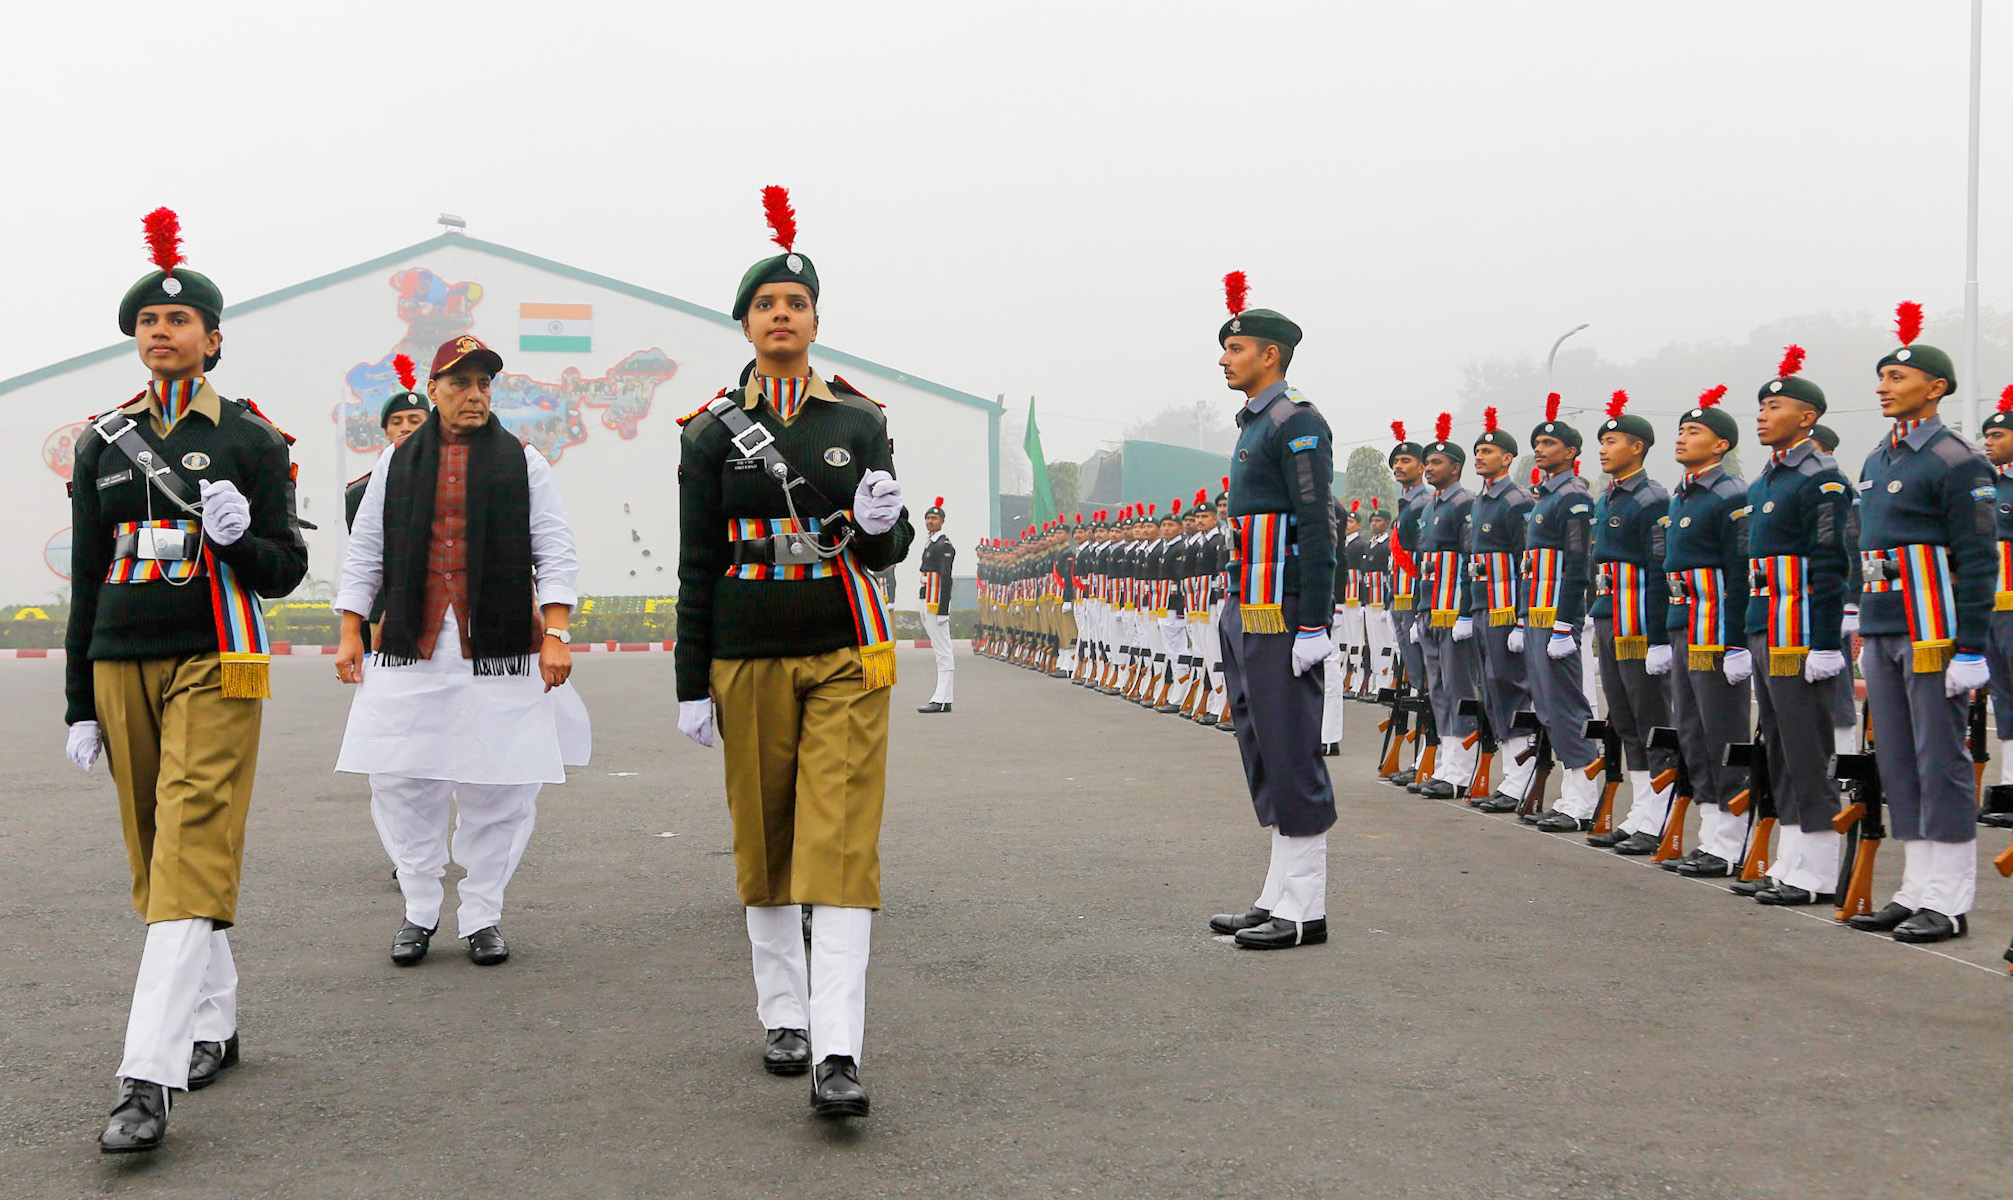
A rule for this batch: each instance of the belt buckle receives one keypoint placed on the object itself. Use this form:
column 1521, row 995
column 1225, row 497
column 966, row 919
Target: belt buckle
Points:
column 165, row 545
column 99, row 426
column 747, row 451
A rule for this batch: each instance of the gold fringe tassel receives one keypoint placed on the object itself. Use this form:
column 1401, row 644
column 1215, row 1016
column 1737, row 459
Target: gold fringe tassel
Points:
column 2002, row 602
column 1352, row 604
column 1632, row 647
column 1401, row 603
column 1933, row 656
column 1702, row 658
column 1264, row 618
column 1542, row 618
column 1444, row 618
column 1502, row 616
column 877, row 666
column 247, row 676
column 1786, row 660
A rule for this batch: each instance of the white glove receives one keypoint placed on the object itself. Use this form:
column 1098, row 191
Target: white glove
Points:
column 1659, row 660
column 695, row 720
column 84, row 744
column 1065, row 606
column 226, row 512
column 1965, row 672
column 1517, row 640
column 1464, row 628
column 1820, row 665
column 1414, row 639
column 1563, row 642
column 1738, row 665
column 877, row 503
column 1310, row 650
column 1849, row 625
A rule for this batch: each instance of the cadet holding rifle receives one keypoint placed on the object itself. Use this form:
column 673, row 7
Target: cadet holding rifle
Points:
column 1557, row 543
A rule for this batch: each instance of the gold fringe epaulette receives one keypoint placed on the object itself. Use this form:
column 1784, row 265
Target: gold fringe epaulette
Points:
column 247, row 676
column 2002, row 602
column 1444, row 618
column 1264, row 618
column 877, row 666
column 1401, row 603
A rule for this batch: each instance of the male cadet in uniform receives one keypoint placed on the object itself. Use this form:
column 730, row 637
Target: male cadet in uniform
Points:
column 1495, row 558
column 1447, row 636
column 938, row 556
column 1348, row 610
column 1705, row 569
column 1378, row 634
column 1557, row 553
column 1629, row 612
column 1926, row 540
column 1275, row 626
column 167, row 665
column 781, row 632
column 1999, row 452
column 1798, row 510
column 1408, row 467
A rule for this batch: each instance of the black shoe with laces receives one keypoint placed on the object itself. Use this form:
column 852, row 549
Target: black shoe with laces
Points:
column 139, row 1118
column 836, row 1090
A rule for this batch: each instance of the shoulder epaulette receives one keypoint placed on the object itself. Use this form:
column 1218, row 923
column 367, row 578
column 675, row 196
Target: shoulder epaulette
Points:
column 702, row 408
column 268, row 420
column 363, row 478
column 838, row 381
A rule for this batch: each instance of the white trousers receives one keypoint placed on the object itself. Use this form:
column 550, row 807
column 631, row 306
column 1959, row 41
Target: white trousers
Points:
column 1806, row 860
column 1296, row 880
column 938, row 629
column 492, row 826
column 1648, row 808
column 840, row 941
column 1516, row 776
column 1942, row 876
column 1455, row 763
column 187, row 992
column 1578, row 795
column 1382, row 636
column 782, row 986
column 1334, row 696
column 1721, row 833
column 1212, row 662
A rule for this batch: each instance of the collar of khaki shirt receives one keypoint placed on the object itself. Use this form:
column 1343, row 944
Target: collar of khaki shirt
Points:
column 751, row 393
column 206, row 402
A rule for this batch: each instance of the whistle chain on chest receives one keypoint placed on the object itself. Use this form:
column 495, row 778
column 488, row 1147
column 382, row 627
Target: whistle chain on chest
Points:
column 754, row 441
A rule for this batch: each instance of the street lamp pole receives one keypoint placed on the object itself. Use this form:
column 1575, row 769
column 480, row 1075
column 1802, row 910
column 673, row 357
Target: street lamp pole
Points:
column 1553, row 356
column 1971, row 391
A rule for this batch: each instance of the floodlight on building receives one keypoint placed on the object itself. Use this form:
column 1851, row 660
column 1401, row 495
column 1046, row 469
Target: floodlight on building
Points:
column 451, row 223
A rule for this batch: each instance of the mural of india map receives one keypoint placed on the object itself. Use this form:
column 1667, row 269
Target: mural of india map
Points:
column 550, row 416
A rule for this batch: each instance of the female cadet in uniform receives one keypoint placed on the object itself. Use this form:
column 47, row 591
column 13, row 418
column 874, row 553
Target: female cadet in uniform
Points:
column 787, row 500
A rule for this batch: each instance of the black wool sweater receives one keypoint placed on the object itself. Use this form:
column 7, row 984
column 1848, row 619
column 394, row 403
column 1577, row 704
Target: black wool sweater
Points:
column 837, row 437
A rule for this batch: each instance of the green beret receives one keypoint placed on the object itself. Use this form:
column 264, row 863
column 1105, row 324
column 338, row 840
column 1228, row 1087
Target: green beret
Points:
column 1412, row 448
column 1796, row 387
column 1632, row 425
column 1827, row 438
column 789, row 267
column 1450, row 449
column 184, row 287
column 1498, row 438
column 1715, row 418
column 2002, row 419
column 402, row 402
column 1926, row 359
column 1560, row 430
column 1260, row 323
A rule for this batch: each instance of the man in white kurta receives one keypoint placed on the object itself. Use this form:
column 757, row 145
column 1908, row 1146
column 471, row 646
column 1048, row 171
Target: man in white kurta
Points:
column 437, row 730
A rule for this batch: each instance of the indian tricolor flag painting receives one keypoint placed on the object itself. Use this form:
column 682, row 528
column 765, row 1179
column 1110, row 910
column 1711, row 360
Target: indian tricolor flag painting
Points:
column 567, row 327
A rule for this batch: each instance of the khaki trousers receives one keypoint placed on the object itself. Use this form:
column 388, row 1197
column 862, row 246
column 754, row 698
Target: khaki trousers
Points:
column 183, row 758
column 806, row 752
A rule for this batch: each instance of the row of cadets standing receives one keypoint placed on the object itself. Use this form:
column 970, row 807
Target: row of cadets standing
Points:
column 1346, row 631
column 1407, row 463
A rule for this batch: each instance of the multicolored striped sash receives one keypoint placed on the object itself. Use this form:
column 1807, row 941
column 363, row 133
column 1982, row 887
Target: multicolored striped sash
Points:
column 1499, row 584
column 1922, row 575
column 1265, row 540
column 1622, row 583
column 933, row 592
column 1443, row 568
column 1352, row 589
column 1404, row 576
column 1542, row 576
column 1376, row 589
column 150, row 570
column 1704, row 591
column 875, row 633
column 2002, row 592
column 749, row 529
column 1782, row 581
column 243, row 647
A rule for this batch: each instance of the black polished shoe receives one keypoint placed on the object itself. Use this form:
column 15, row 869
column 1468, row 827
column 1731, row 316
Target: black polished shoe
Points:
column 1401, row 778
column 1637, row 843
column 933, row 707
column 1700, row 865
column 1750, row 887
column 1613, row 837
column 1672, row 864
column 411, row 944
column 1437, row 789
column 486, row 947
column 1167, row 708
column 788, row 1052
column 1883, row 919
column 139, row 1118
column 209, row 1059
column 1558, row 822
column 1206, row 719
column 1232, row 922
column 1331, row 749
column 1281, row 934
column 1498, row 803
column 1790, row 895
column 836, row 1090
column 1928, row 925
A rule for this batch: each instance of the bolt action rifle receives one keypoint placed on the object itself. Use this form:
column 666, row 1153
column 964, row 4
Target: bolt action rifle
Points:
column 1478, row 783
column 1758, row 797
column 1611, row 762
column 1860, row 821
column 1665, row 737
column 1425, row 734
column 1393, row 727
column 1540, row 747
column 1974, row 740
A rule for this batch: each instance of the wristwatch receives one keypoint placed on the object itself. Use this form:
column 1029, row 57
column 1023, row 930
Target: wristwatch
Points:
column 565, row 638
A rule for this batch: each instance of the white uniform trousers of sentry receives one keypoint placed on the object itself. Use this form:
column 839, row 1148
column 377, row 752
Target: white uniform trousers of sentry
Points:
column 1721, row 833
column 1648, row 807
column 492, row 825
column 187, row 992
column 1296, row 880
column 1382, row 636
column 1806, row 860
column 832, row 1001
column 1516, row 776
column 1334, row 689
column 1940, row 876
column 1579, row 796
column 1455, row 763
column 938, row 629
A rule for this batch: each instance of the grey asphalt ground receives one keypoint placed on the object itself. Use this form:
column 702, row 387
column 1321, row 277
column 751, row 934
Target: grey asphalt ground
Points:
column 1500, row 1013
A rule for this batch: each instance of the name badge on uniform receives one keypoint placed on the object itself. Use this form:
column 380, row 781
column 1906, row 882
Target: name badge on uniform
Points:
column 744, row 465
column 105, row 481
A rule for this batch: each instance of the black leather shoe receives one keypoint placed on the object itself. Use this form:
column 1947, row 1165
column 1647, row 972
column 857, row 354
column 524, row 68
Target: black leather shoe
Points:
column 411, row 944
column 1206, row 719
column 836, row 1090
column 1401, row 778
column 1703, row 866
column 1558, row 822
column 1498, row 803
column 209, row 1059
column 1614, row 837
column 1167, row 708
column 486, row 947
column 1883, row 919
column 1787, row 894
column 139, row 1118
column 933, row 707
column 1281, row 934
column 1672, row 864
column 1437, row 789
column 1637, row 843
column 1331, row 749
column 1751, row 887
column 788, row 1052
column 1232, row 922
column 1928, row 925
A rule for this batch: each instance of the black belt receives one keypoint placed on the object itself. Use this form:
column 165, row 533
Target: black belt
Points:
column 762, row 551
column 127, row 545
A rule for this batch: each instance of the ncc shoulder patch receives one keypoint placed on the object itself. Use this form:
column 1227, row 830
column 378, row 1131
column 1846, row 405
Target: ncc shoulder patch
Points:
column 1988, row 492
column 1303, row 443
column 1831, row 488
column 1580, row 508
column 1664, row 521
column 1738, row 513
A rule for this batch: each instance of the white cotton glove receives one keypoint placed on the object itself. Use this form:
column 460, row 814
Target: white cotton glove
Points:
column 1965, row 672
column 1738, row 665
column 877, row 503
column 695, row 720
column 84, row 744
column 1414, row 639
column 1849, row 625
column 1516, row 640
column 1563, row 642
column 1311, row 648
column 1464, row 628
column 1820, row 665
column 226, row 512
column 1659, row 660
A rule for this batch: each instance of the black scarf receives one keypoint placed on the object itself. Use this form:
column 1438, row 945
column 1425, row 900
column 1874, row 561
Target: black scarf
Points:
column 502, row 633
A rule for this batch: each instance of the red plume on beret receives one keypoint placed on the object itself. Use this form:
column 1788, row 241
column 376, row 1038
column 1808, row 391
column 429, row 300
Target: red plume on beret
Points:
column 1375, row 504
column 407, row 375
column 1398, row 430
column 782, row 218
column 1537, row 476
column 164, row 238
column 1711, row 396
column 1552, row 407
column 1489, row 419
column 1151, row 509
column 1079, row 518
column 1174, row 506
column 939, row 502
column 1226, row 483
column 1616, row 403
column 2006, row 399
column 1235, row 291
column 1792, row 361
column 1443, row 428
column 1908, row 322
column 1355, row 506
column 1201, row 496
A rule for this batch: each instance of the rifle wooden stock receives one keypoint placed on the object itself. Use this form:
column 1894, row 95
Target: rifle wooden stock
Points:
column 1468, row 743
column 1604, row 812
column 1738, row 805
column 1478, row 786
column 2004, row 863
column 1534, row 796
column 1383, row 725
column 1672, row 845
column 1756, row 863
column 1529, row 751
column 1977, row 779
column 1424, row 768
column 1848, row 817
column 1390, row 764
column 1663, row 780
column 1597, row 766
column 1858, row 897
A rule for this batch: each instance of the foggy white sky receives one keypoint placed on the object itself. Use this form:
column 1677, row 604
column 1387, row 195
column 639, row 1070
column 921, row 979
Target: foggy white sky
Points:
column 1040, row 199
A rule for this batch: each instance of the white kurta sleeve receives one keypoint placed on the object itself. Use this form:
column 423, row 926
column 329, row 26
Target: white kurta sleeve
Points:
column 363, row 565
column 552, row 551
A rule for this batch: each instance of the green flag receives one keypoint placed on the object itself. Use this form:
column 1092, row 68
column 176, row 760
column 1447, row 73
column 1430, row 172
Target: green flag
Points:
column 1040, row 499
